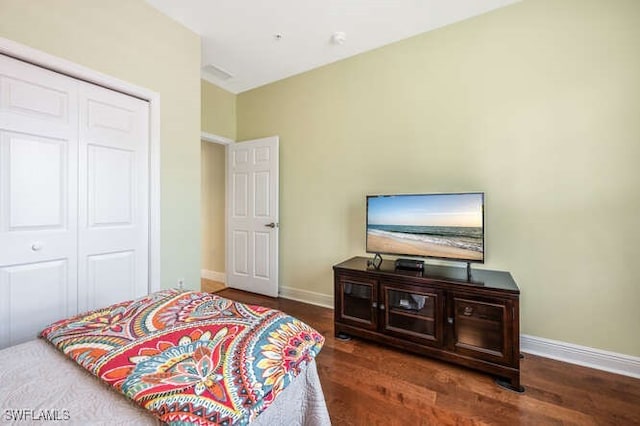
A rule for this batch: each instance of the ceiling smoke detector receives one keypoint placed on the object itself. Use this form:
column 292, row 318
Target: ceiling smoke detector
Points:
column 217, row 72
column 338, row 37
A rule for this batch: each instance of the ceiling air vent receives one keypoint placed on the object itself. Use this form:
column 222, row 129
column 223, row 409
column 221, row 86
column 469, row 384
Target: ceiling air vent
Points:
column 217, row 72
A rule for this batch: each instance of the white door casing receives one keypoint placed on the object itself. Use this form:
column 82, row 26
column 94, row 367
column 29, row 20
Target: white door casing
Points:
column 252, row 216
column 38, row 199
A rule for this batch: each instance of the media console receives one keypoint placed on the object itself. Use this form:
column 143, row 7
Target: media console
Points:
column 438, row 312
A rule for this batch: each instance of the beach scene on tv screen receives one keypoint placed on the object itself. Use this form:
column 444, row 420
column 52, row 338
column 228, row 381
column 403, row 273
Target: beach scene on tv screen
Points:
column 439, row 225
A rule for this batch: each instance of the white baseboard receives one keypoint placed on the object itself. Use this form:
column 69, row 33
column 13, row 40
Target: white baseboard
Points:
column 213, row 275
column 599, row 359
column 306, row 296
column 581, row 355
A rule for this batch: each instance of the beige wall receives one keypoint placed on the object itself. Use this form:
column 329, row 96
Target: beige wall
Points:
column 132, row 41
column 218, row 111
column 213, row 206
column 536, row 104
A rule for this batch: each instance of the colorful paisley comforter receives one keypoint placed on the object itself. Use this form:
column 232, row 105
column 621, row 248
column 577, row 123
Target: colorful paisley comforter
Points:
column 190, row 357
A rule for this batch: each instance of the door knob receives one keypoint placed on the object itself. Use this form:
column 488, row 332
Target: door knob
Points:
column 36, row 246
column 271, row 225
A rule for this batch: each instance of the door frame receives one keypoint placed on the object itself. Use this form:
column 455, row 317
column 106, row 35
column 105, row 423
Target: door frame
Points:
column 62, row 66
column 224, row 142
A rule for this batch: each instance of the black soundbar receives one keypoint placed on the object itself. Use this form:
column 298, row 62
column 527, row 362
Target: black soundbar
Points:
column 411, row 264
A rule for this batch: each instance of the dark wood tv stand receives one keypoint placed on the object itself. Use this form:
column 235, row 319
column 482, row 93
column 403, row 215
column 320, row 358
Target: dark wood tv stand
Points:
column 437, row 312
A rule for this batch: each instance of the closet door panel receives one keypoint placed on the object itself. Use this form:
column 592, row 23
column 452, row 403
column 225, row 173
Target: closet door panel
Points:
column 105, row 269
column 34, row 99
column 32, row 296
column 38, row 199
column 36, row 182
column 111, row 186
column 114, row 200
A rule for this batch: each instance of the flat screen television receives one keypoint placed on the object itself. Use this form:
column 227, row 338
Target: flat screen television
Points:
column 443, row 226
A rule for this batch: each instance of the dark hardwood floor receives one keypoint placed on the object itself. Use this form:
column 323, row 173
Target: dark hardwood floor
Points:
column 369, row 384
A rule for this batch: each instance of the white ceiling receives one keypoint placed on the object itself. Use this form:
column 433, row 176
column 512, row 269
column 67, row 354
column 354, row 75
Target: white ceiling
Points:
column 239, row 36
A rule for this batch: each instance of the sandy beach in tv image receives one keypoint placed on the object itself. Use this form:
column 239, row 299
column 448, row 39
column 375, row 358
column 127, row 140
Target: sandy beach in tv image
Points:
column 436, row 225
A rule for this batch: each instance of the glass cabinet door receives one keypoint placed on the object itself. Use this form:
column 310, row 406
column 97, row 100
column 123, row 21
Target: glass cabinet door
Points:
column 479, row 328
column 412, row 314
column 358, row 299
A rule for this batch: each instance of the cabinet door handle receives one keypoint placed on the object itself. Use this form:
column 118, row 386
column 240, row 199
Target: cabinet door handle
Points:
column 450, row 320
column 374, row 305
column 382, row 306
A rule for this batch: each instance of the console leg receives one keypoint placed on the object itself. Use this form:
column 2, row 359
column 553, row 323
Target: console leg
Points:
column 512, row 385
column 343, row 336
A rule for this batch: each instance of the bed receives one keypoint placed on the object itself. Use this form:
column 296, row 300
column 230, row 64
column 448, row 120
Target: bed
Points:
column 186, row 357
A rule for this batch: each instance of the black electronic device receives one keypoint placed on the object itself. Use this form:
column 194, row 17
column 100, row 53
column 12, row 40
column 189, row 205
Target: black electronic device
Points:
column 410, row 264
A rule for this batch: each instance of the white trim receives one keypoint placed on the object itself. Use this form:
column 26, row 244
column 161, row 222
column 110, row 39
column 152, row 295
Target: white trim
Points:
column 581, row 355
column 63, row 66
column 210, row 137
column 154, row 194
column 213, row 275
column 227, row 258
column 306, row 296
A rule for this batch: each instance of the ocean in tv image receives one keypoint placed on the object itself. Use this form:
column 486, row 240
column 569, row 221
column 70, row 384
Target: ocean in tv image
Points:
column 432, row 225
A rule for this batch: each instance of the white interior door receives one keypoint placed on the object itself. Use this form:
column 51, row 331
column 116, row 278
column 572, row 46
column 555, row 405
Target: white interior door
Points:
column 252, row 216
column 113, row 197
column 38, row 199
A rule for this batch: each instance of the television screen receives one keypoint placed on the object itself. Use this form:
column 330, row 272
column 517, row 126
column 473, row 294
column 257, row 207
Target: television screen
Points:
column 446, row 226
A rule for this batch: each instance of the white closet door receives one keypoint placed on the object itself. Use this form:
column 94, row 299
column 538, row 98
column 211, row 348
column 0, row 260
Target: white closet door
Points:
column 38, row 199
column 113, row 197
